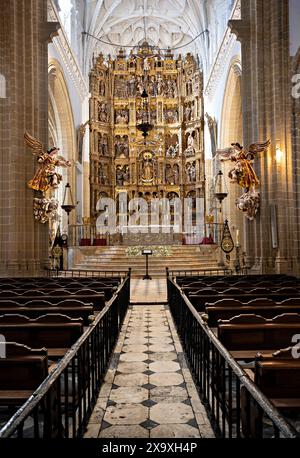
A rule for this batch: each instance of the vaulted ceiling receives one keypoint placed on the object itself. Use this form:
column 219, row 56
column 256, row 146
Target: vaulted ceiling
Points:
column 164, row 23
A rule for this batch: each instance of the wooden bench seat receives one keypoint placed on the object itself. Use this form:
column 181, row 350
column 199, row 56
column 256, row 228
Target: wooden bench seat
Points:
column 57, row 333
column 278, row 377
column 37, row 308
column 21, row 372
column 98, row 300
column 199, row 302
column 253, row 279
column 267, row 311
column 249, row 334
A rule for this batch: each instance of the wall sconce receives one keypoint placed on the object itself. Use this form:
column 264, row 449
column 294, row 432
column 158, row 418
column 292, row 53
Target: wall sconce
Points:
column 279, row 154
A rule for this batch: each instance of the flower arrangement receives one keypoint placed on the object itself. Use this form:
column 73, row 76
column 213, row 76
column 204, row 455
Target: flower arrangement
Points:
column 156, row 251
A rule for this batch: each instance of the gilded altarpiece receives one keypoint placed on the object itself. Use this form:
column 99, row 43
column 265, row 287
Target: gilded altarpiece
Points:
column 170, row 162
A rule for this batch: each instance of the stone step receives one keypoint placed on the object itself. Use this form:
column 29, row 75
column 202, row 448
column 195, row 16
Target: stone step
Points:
column 115, row 259
column 151, row 261
column 174, row 256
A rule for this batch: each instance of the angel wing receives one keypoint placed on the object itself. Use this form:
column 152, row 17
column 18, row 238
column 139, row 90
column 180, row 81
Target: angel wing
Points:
column 257, row 148
column 226, row 154
column 34, row 144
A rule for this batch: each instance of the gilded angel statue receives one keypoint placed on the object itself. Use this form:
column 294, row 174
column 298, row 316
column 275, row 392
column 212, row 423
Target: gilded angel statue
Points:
column 46, row 177
column 244, row 174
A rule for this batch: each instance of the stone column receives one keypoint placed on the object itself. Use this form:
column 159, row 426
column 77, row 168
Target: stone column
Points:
column 264, row 34
column 24, row 36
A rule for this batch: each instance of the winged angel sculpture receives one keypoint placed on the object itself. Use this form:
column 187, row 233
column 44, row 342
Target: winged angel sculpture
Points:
column 46, row 178
column 244, row 175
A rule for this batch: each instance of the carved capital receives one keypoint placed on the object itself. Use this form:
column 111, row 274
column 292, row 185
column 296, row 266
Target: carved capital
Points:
column 240, row 28
column 50, row 30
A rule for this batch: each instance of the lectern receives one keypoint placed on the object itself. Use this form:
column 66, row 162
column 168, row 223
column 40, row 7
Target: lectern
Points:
column 147, row 253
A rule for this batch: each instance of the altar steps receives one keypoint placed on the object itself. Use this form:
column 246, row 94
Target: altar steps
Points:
column 116, row 259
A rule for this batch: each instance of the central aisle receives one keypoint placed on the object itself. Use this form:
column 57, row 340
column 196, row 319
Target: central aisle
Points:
column 148, row 390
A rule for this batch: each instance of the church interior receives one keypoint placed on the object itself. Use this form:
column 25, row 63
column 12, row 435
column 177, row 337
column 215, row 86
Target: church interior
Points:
column 150, row 219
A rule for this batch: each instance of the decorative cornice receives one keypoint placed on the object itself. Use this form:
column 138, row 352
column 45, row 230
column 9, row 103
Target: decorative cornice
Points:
column 62, row 46
column 227, row 44
column 50, row 30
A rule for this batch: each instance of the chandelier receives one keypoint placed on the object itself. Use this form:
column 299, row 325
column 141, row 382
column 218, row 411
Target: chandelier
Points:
column 145, row 126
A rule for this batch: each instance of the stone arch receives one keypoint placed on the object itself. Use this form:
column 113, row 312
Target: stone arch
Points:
column 62, row 132
column 232, row 131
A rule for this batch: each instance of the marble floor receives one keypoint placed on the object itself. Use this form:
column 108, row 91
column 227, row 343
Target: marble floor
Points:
column 148, row 390
column 148, row 291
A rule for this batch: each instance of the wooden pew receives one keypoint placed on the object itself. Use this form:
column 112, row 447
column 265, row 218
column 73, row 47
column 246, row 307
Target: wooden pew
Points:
column 37, row 308
column 254, row 279
column 261, row 290
column 21, row 372
column 233, row 291
column 246, row 335
column 55, row 332
column 200, row 301
column 278, row 377
column 226, row 309
column 97, row 300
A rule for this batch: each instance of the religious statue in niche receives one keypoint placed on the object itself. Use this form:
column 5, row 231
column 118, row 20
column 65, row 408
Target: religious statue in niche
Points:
column 169, row 174
column 103, row 174
column 122, row 175
column 171, row 89
column 171, row 116
column 121, row 88
column 160, row 85
column 244, row 175
column 172, row 174
column 152, row 87
column 46, row 178
column 102, row 88
column 176, row 174
column 103, row 145
column 190, row 150
column 122, row 117
column 189, row 87
column 121, row 147
column 187, row 113
column 191, row 172
column 103, row 112
column 172, row 146
column 132, row 86
column 172, row 151
column 147, row 173
column 140, row 86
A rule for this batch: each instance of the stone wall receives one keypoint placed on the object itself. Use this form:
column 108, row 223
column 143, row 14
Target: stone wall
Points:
column 24, row 36
column 266, row 92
